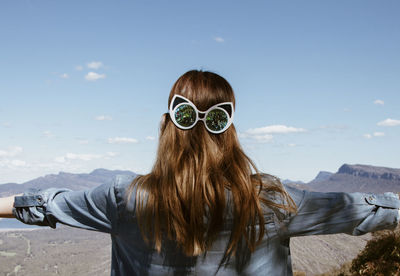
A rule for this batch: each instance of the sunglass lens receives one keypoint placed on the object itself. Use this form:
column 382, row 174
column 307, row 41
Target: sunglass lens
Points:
column 216, row 120
column 185, row 115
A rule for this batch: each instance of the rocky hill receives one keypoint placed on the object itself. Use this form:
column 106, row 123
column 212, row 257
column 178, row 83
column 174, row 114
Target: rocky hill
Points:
column 372, row 172
column 297, row 184
column 66, row 180
column 322, row 176
column 358, row 178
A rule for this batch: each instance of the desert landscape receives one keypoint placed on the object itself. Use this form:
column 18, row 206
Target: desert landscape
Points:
column 54, row 252
column 70, row 251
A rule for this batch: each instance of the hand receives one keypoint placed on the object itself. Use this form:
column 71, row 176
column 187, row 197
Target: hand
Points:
column 6, row 206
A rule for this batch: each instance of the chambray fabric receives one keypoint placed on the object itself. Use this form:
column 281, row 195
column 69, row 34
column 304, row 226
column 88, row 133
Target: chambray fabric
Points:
column 104, row 208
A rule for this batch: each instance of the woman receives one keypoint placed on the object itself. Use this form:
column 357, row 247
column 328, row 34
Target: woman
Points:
column 204, row 208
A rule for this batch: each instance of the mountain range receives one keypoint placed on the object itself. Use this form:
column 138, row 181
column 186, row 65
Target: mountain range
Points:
column 349, row 178
column 358, row 178
column 71, row 181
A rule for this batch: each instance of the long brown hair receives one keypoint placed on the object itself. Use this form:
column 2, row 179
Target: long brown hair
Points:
column 185, row 196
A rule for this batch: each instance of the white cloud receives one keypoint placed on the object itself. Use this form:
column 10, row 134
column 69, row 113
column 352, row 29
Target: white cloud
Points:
column 103, row 118
column 291, row 145
column 60, row 159
column 18, row 163
column 375, row 134
column 84, row 157
column 151, row 138
column 11, row 152
column 77, row 156
column 263, row 138
column 64, row 76
column 83, row 142
column 92, row 76
column 48, row 134
column 264, row 134
column 378, row 134
column 51, row 165
column 274, row 129
column 121, row 140
column 389, row 122
column 6, row 124
column 379, row 102
column 219, row 39
column 95, row 65
column 13, row 164
column 78, row 68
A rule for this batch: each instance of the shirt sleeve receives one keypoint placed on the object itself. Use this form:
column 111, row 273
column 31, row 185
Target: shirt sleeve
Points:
column 331, row 213
column 92, row 209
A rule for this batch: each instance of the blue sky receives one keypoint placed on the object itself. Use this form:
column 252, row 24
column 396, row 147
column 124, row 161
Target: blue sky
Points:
column 83, row 84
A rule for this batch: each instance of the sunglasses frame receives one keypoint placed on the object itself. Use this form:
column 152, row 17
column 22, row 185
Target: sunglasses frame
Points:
column 188, row 102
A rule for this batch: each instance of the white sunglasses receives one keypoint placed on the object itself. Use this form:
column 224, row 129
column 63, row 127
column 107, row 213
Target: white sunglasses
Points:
column 184, row 114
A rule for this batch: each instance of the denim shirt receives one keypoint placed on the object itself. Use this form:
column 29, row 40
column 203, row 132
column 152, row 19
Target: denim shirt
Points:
column 105, row 209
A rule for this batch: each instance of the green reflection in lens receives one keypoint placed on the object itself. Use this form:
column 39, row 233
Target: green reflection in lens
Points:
column 185, row 115
column 216, row 120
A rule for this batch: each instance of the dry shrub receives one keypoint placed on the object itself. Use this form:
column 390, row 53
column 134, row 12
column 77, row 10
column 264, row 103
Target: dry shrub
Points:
column 344, row 270
column 380, row 257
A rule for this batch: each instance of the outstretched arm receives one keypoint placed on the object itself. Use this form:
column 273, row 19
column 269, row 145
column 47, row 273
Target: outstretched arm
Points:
column 331, row 213
column 6, row 206
column 92, row 209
